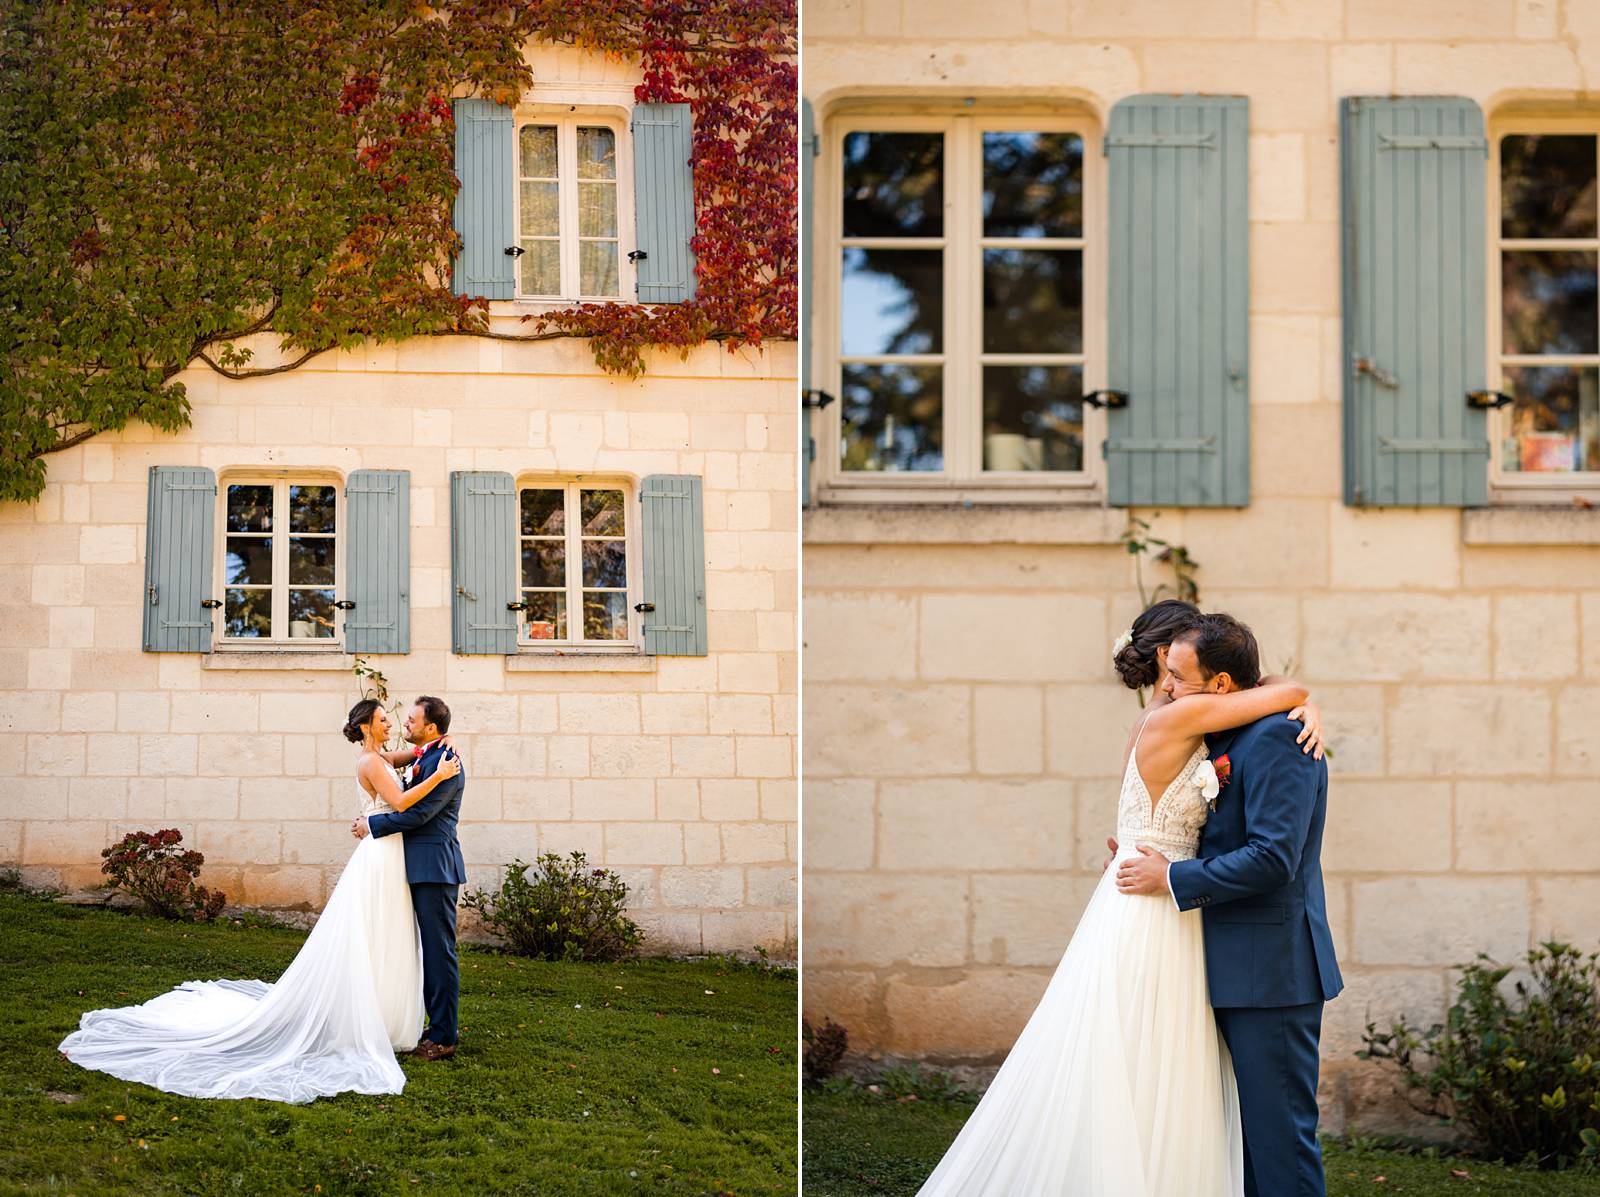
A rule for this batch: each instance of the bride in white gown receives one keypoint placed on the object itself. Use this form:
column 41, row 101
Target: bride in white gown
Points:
column 1120, row 1084
column 333, row 1021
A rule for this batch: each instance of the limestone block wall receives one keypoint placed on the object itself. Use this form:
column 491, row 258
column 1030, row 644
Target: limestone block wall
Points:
column 678, row 772
column 963, row 729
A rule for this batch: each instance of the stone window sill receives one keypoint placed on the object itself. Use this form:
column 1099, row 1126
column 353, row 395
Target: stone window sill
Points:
column 901, row 523
column 324, row 660
column 1530, row 524
column 580, row 662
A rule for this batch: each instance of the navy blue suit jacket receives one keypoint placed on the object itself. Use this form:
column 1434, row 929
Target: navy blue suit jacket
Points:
column 433, row 854
column 1258, row 879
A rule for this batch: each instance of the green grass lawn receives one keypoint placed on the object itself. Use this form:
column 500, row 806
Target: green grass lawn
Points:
column 856, row 1143
column 570, row 1079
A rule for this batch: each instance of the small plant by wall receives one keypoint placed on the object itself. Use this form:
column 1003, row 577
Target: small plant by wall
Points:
column 153, row 867
column 1520, row 1079
column 564, row 910
column 824, row 1049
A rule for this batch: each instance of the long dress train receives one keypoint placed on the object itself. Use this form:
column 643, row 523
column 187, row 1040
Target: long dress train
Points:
column 1120, row 1084
column 331, row 1023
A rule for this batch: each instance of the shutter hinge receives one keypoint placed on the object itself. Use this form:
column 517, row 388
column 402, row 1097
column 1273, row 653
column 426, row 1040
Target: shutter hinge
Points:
column 211, row 604
column 152, row 589
column 1390, row 444
column 1489, row 399
column 515, row 251
column 1192, row 141
column 644, row 606
column 1160, row 444
column 345, row 605
column 1106, row 398
column 1384, row 378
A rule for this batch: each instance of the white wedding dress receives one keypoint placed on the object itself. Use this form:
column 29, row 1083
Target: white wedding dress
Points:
column 331, row 1023
column 1120, row 1085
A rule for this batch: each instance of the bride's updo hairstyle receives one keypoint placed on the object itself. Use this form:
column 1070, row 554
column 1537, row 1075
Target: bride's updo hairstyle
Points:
column 360, row 715
column 1157, row 626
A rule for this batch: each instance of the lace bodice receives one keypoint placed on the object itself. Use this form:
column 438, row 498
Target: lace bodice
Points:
column 371, row 804
column 1172, row 825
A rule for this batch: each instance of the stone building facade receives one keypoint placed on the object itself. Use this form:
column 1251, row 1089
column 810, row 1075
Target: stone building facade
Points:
column 675, row 768
column 963, row 728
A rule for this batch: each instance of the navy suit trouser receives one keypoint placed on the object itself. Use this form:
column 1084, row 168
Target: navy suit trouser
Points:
column 1275, row 1060
column 435, row 905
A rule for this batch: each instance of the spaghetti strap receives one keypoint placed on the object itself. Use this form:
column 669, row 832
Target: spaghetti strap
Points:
column 1133, row 753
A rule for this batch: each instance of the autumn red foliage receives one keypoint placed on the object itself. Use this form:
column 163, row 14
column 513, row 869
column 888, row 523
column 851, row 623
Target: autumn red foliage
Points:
column 733, row 62
column 182, row 182
column 154, row 868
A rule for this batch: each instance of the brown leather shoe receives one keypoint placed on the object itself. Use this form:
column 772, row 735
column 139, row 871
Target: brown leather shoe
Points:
column 427, row 1049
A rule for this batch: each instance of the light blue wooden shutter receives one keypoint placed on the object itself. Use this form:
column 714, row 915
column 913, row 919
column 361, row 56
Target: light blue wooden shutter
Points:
column 483, row 562
column 1413, row 259
column 1179, row 302
column 178, row 551
column 663, row 202
column 673, row 538
column 484, row 204
column 377, row 505
column 808, row 152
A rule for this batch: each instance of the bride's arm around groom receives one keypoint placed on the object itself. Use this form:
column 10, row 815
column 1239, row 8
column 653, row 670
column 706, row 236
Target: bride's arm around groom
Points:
column 423, row 811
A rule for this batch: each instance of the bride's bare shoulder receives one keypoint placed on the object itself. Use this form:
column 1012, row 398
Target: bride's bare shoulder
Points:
column 366, row 764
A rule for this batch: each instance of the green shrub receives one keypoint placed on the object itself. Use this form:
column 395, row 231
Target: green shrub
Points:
column 563, row 911
column 153, row 868
column 1520, row 1080
column 914, row 1083
column 824, row 1049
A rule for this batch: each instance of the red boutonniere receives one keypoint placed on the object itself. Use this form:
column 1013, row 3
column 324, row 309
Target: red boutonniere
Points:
column 1224, row 768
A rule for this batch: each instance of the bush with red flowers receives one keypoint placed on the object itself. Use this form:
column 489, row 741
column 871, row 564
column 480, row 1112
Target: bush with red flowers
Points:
column 155, row 869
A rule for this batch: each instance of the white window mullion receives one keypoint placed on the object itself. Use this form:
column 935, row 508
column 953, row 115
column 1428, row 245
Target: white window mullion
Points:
column 574, row 556
column 280, row 559
column 568, row 145
column 966, row 382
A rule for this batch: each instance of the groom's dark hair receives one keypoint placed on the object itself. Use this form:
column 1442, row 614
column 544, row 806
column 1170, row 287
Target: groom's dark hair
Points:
column 1224, row 645
column 435, row 712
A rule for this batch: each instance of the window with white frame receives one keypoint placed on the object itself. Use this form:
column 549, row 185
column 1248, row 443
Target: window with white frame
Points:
column 574, row 583
column 568, row 208
column 963, row 247
column 1547, row 336
column 280, row 559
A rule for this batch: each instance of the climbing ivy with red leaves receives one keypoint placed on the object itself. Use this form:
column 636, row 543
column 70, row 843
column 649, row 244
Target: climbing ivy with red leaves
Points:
column 733, row 62
column 180, row 176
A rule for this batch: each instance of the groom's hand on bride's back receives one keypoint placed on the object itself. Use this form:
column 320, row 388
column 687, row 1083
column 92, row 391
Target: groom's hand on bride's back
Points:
column 1111, row 844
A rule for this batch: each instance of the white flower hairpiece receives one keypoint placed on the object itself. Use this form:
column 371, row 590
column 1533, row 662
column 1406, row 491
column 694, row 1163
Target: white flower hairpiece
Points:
column 1121, row 643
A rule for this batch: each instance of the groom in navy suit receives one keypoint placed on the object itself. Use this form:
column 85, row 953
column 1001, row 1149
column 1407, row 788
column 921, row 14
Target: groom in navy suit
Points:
column 435, row 869
column 1258, row 883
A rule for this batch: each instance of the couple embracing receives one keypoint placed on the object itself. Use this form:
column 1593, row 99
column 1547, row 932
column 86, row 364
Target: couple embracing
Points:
column 1175, row 1051
column 376, row 976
